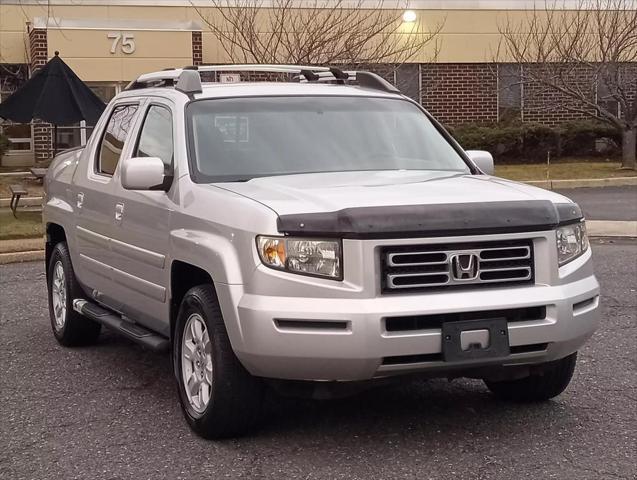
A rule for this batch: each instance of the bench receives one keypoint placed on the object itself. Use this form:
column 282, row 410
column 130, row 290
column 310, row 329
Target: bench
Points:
column 38, row 173
column 17, row 191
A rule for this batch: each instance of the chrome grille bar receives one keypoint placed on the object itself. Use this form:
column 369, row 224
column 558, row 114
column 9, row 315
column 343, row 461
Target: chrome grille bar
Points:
column 417, row 267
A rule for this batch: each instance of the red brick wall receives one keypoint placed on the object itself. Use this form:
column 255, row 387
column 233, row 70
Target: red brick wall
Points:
column 550, row 107
column 197, row 48
column 37, row 48
column 42, row 132
column 457, row 93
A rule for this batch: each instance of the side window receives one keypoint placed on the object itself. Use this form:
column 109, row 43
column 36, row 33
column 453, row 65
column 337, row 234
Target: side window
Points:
column 156, row 137
column 113, row 139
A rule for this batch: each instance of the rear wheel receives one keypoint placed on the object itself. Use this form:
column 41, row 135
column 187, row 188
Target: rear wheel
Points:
column 549, row 382
column 218, row 396
column 69, row 327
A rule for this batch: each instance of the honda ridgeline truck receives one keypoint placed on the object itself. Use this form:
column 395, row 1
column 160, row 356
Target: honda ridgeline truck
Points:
column 323, row 232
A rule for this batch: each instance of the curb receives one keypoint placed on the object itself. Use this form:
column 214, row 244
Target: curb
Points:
column 584, row 183
column 15, row 174
column 22, row 245
column 611, row 228
column 18, row 257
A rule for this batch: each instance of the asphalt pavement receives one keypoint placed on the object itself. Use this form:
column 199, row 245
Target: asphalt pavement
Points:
column 605, row 203
column 110, row 411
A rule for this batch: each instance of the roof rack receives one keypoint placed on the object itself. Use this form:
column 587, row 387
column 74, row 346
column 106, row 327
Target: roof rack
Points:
column 188, row 79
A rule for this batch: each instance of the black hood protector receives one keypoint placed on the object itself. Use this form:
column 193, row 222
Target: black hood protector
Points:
column 432, row 220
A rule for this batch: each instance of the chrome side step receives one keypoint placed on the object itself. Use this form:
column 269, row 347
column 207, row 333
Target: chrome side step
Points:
column 130, row 330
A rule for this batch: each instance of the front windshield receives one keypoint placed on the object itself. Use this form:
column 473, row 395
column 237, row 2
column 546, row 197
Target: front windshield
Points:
column 242, row 138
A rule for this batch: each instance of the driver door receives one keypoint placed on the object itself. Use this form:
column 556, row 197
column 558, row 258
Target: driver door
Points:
column 141, row 225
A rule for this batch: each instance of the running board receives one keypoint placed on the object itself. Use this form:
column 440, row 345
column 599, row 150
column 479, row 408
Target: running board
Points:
column 130, row 330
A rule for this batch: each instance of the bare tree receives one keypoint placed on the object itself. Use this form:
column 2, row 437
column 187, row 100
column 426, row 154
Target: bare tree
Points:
column 583, row 60
column 317, row 32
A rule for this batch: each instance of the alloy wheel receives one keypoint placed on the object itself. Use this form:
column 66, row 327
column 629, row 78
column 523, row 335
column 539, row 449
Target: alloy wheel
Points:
column 58, row 295
column 196, row 363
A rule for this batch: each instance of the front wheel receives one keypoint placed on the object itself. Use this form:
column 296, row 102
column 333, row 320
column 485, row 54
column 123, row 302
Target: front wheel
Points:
column 549, row 382
column 218, row 396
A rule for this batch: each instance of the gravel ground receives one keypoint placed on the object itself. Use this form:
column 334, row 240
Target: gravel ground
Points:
column 111, row 411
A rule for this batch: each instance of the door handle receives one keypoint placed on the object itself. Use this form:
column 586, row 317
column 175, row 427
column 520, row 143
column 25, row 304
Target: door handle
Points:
column 119, row 211
column 80, row 200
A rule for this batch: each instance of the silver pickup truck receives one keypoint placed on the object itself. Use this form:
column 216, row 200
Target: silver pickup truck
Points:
column 312, row 234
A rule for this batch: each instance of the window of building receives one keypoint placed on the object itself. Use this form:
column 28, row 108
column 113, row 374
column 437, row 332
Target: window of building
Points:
column 407, row 79
column 509, row 92
column 156, row 137
column 112, row 143
column 605, row 98
column 106, row 91
column 70, row 136
column 19, row 134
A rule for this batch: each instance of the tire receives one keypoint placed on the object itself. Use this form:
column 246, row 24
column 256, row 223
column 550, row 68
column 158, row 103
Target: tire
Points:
column 69, row 327
column 226, row 400
column 550, row 382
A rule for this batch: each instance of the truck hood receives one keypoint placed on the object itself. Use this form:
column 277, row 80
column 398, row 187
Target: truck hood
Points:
column 333, row 191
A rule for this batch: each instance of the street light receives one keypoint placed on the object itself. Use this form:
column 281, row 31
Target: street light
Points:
column 409, row 16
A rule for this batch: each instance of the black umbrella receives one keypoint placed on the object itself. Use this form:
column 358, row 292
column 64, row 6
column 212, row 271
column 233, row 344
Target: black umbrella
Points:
column 54, row 94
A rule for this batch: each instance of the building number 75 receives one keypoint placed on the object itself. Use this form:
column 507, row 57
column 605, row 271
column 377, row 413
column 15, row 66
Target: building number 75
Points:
column 127, row 42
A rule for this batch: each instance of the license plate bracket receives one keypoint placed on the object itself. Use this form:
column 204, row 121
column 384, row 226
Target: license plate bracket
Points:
column 452, row 340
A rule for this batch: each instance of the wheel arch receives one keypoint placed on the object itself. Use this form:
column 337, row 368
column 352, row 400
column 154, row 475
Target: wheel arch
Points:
column 184, row 276
column 55, row 234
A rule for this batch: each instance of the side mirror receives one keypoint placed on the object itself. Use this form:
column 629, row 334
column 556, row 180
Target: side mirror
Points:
column 143, row 173
column 482, row 159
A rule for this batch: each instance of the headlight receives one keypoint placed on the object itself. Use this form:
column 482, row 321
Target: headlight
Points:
column 321, row 258
column 571, row 242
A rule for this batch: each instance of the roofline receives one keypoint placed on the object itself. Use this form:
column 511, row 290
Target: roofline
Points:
column 57, row 23
column 392, row 4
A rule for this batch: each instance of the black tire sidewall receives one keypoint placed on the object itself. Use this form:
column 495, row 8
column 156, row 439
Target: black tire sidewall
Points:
column 236, row 396
column 60, row 254
column 77, row 329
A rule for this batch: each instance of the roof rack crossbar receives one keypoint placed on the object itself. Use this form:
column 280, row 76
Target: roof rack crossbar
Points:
column 188, row 79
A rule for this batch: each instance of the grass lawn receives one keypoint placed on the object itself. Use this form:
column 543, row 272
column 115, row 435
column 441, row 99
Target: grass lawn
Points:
column 563, row 170
column 27, row 225
column 34, row 187
column 4, row 169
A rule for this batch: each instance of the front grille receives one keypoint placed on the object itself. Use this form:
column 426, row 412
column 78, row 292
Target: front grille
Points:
column 423, row 267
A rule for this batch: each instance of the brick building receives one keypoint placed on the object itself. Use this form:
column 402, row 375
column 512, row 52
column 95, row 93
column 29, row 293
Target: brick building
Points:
column 109, row 43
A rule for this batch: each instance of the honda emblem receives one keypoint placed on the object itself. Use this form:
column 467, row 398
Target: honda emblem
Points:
column 464, row 266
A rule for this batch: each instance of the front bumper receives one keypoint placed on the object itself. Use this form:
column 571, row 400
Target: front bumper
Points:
column 288, row 350
column 279, row 323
